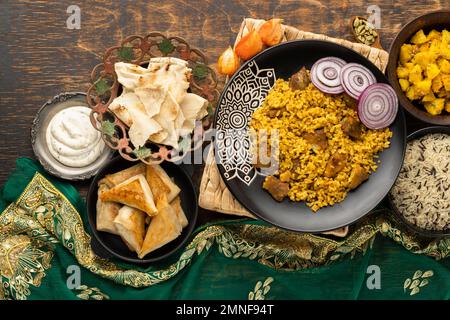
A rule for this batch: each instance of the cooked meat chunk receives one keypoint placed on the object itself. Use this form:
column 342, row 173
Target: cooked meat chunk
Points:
column 335, row 164
column 318, row 139
column 350, row 102
column 358, row 176
column 299, row 80
column 274, row 113
column 352, row 127
column 277, row 189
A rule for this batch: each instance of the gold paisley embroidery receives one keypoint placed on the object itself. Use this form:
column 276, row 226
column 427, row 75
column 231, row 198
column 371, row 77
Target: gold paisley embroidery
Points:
column 260, row 290
column 22, row 263
column 87, row 293
column 418, row 281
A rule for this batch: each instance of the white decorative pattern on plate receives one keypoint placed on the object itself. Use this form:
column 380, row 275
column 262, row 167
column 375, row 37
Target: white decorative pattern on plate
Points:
column 241, row 98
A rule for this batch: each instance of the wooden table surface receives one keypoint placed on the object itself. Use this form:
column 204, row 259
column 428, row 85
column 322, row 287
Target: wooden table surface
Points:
column 40, row 57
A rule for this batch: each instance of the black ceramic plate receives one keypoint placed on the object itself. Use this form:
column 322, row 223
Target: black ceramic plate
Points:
column 112, row 244
column 412, row 227
column 244, row 93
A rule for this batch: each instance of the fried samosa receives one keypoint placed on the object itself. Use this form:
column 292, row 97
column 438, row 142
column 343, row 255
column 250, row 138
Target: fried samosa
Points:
column 130, row 225
column 163, row 228
column 114, row 179
column 176, row 205
column 160, row 183
column 106, row 212
column 134, row 192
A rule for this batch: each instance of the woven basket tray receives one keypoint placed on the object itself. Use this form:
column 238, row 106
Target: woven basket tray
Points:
column 214, row 195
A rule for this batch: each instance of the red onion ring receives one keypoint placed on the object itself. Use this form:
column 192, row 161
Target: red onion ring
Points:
column 325, row 75
column 378, row 106
column 355, row 78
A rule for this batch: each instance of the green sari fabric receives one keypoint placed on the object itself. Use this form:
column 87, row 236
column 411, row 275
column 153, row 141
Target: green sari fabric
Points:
column 45, row 253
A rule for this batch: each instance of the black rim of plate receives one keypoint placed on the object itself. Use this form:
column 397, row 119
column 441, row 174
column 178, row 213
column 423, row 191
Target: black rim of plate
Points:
column 412, row 227
column 182, row 239
column 400, row 123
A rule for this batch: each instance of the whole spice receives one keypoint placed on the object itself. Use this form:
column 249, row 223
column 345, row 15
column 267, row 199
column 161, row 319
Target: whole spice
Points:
column 250, row 45
column 228, row 62
column 364, row 31
column 271, row 32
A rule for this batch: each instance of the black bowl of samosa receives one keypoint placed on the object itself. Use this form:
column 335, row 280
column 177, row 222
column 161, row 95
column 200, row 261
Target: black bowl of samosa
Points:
column 141, row 213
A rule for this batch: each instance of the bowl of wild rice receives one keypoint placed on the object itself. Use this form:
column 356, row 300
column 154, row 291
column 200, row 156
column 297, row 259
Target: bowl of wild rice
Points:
column 421, row 194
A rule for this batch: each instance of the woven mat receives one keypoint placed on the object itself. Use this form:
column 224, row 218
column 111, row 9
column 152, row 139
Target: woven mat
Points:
column 214, row 195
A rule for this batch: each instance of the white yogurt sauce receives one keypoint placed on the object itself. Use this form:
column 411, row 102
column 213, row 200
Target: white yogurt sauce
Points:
column 71, row 138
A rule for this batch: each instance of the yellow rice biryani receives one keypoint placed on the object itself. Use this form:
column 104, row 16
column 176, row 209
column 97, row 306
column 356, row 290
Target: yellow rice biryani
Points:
column 302, row 165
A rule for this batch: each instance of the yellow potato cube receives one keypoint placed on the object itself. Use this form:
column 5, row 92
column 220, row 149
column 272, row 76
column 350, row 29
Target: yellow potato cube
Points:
column 404, row 84
column 410, row 93
column 424, row 59
column 406, row 52
column 429, row 97
column 415, row 75
column 434, row 34
column 437, row 84
column 402, row 72
column 435, row 107
column 447, row 106
column 432, row 71
column 444, row 65
column 446, row 35
column 446, row 81
column 423, row 87
column 419, row 37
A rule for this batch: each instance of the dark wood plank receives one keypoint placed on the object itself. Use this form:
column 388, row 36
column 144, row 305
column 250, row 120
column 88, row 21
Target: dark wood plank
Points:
column 40, row 57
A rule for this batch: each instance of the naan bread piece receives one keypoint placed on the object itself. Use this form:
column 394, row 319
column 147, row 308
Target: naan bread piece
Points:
column 160, row 183
column 176, row 205
column 115, row 178
column 170, row 111
column 194, row 108
column 163, row 228
column 130, row 225
column 172, row 74
column 132, row 76
column 129, row 108
column 152, row 98
column 134, row 192
column 119, row 106
column 106, row 212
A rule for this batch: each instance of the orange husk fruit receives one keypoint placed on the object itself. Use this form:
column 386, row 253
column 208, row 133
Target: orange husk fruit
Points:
column 249, row 46
column 271, row 32
column 228, row 62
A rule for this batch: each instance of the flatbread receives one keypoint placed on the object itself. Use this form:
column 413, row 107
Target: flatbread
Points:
column 132, row 76
column 167, row 118
column 171, row 73
column 106, row 212
column 130, row 225
column 152, row 98
column 160, row 183
column 194, row 108
column 163, row 228
column 134, row 192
